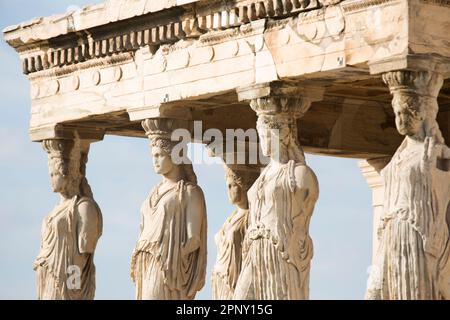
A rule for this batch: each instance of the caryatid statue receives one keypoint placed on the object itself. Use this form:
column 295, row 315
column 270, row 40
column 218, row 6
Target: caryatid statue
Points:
column 229, row 239
column 169, row 260
column 65, row 264
column 413, row 254
column 277, row 247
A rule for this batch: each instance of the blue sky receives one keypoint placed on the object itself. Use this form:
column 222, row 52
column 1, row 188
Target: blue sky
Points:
column 121, row 175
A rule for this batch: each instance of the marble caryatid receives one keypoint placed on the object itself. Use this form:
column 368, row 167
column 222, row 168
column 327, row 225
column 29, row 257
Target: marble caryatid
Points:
column 413, row 253
column 229, row 239
column 169, row 260
column 277, row 248
column 65, row 264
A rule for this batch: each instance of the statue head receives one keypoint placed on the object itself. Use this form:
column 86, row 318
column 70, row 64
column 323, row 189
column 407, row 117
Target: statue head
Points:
column 415, row 102
column 162, row 161
column 235, row 190
column 276, row 133
column 239, row 179
column 64, row 166
column 410, row 114
column 159, row 131
column 67, row 166
column 277, row 125
column 59, row 175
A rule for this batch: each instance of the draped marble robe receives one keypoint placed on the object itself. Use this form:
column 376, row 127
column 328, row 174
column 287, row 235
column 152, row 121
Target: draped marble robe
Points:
column 60, row 251
column 159, row 268
column 277, row 246
column 414, row 245
column 229, row 256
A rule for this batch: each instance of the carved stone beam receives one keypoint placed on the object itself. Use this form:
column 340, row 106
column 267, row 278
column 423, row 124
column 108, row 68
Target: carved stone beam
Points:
column 282, row 91
column 413, row 62
column 60, row 131
column 163, row 110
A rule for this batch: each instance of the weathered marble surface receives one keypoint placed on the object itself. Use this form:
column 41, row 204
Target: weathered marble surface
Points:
column 229, row 240
column 169, row 260
column 105, row 68
column 277, row 247
column 414, row 245
column 65, row 264
column 192, row 61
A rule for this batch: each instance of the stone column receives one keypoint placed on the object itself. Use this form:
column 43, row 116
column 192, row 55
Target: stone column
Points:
column 169, row 260
column 65, row 264
column 371, row 169
column 277, row 249
column 413, row 253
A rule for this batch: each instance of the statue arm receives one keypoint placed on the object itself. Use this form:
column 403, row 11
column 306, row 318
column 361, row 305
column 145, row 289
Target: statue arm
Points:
column 306, row 189
column 141, row 223
column 195, row 212
column 88, row 227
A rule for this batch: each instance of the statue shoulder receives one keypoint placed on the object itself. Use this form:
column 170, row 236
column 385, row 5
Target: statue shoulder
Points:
column 194, row 191
column 87, row 207
column 304, row 177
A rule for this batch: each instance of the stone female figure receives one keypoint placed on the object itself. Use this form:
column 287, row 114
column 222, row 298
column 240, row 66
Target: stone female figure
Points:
column 169, row 260
column 65, row 264
column 277, row 246
column 230, row 237
column 414, row 242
